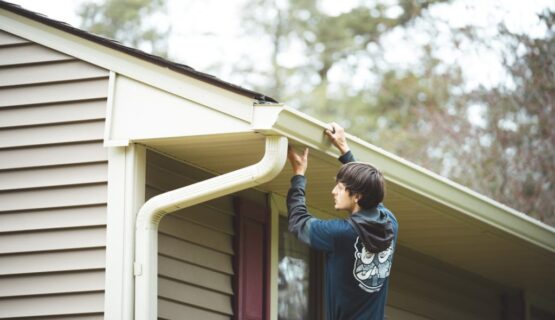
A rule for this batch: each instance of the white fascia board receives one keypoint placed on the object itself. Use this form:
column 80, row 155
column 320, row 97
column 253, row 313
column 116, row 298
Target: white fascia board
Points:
column 157, row 76
column 310, row 132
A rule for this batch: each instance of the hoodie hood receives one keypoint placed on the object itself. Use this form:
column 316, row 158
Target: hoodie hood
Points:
column 374, row 228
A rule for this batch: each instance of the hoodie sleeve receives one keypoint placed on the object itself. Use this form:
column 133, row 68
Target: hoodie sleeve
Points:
column 347, row 157
column 318, row 234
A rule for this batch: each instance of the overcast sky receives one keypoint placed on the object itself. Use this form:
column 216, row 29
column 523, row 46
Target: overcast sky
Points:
column 208, row 32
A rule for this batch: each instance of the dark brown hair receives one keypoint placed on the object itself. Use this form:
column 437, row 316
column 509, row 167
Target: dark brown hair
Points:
column 365, row 180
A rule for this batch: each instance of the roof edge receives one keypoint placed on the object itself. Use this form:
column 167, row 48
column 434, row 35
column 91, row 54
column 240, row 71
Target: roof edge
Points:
column 112, row 44
column 310, row 131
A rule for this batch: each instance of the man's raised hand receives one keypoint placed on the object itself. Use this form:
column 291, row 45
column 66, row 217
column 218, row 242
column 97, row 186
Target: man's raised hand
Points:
column 337, row 137
column 299, row 162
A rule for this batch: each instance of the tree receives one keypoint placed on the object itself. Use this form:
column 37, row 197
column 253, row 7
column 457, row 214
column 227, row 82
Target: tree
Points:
column 519, row 137
column 326, row 40
column 129, row 22
column 419, row 112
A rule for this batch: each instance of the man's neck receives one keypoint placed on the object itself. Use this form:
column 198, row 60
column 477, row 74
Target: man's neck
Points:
column 355, row 209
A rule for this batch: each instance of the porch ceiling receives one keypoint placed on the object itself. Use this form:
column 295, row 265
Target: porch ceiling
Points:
column 426, row 226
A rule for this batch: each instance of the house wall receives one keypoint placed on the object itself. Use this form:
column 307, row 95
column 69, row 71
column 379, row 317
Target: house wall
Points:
column 424, row 288
column 195, row 246
column 53, row 182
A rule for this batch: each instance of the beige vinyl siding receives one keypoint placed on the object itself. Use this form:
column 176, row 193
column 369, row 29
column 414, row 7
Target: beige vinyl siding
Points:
column 195, row 248
column 423, row 288
column 53, row 183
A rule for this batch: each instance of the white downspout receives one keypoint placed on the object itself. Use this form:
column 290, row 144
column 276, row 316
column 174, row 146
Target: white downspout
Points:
column 150, row 214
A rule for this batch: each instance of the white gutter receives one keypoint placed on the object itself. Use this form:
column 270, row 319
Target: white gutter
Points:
column 150, row 214
column 308, row 131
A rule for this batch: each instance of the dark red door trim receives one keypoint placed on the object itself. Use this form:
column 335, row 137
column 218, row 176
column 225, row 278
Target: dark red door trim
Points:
column 251, row 261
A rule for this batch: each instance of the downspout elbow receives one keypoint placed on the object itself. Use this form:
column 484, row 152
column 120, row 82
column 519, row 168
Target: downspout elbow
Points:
column 266, row 169
column 272, row 163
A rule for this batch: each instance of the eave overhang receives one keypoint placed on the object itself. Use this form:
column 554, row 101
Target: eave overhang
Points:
column 437, row 217
column 417, row 180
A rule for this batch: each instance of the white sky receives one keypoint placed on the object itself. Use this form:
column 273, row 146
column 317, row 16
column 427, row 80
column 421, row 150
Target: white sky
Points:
column 207, row 32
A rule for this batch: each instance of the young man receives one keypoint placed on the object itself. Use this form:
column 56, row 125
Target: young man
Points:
column 359, row 249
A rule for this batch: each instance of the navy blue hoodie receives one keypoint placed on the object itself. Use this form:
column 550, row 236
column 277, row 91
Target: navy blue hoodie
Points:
column 359, row 253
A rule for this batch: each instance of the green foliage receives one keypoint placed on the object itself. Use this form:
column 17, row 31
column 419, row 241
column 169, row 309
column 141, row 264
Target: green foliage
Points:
column 129, row 22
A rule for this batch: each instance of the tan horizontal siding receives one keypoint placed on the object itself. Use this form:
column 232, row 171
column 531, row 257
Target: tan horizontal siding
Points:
column 53, row 197
column 42, row 284
column 52, row 113
column 197, row 234
column 50, row 72
column 195, row 247
column 53, row 183
column 52, row 305
column 194, row 254
column 437, row 291
column 37, row 262
column 202, row 277
column 29, row 53
column 205, row 216
column 97, row 316
column 7, row 39
column 53, row 176
column 192, row 295
column 175, row 311
column 52, row 155
column 52, row 134
column 53, row 218
column 50, row 240
column 437, row 300
column 185, row 172
column 399, row 314
column 54, row 92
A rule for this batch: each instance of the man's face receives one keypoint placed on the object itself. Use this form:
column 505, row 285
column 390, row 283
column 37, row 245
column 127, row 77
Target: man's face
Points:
column 343, row 200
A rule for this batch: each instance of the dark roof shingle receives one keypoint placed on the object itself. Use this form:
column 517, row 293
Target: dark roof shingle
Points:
column 177, row 67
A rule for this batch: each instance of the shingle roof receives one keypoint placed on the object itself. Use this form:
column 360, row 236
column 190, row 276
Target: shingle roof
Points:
column 177, row 67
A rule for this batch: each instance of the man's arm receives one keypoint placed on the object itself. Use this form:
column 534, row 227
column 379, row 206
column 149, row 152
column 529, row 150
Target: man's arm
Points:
column 299, row 218
column 296, row 207
column 337, row 137
column 317, row 233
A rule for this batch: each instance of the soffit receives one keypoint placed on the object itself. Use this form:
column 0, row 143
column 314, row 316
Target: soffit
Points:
column 428, row 227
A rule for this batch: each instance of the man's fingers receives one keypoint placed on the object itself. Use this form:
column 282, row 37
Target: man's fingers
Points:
column 331, row 134
column 297, row 157
column 333, row 129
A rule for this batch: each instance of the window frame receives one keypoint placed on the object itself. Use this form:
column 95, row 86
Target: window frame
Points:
column 317, row 269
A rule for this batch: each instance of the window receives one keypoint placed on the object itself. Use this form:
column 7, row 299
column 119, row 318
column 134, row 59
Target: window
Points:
column 300, row 291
